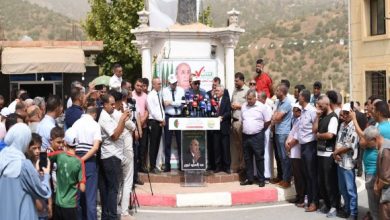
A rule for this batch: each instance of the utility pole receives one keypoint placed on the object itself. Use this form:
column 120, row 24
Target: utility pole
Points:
column 350, row 50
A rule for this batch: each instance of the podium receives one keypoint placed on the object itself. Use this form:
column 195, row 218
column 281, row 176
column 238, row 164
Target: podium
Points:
column 194, row 146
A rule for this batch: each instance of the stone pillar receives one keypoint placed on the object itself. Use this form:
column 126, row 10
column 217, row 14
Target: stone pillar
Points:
column 145, row 47
column 229, row 43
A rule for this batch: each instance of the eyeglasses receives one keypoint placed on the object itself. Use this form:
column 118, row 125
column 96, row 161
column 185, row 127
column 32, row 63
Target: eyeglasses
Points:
column 197, row 83
column 252, row 84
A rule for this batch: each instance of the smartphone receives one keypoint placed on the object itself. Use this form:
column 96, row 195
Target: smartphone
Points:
column 352, row 107
column 42, row 160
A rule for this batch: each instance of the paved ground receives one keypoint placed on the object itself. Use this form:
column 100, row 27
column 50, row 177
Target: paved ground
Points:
column 276, row 210
column 280, row 210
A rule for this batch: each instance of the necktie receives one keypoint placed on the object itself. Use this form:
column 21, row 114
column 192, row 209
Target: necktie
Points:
column 159, row 103
column 173, row 98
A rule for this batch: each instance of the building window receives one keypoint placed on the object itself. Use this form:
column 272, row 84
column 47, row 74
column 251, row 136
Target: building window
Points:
column 377, row 17
column 376, row 84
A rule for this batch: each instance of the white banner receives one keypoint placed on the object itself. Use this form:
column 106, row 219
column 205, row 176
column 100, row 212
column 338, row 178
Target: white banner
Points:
column 194, row 124
column 206, row 70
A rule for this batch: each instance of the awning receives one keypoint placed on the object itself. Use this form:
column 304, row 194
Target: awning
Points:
column 42, row 60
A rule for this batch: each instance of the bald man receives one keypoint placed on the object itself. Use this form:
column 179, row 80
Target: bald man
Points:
column 325, row 128
column 33, row 117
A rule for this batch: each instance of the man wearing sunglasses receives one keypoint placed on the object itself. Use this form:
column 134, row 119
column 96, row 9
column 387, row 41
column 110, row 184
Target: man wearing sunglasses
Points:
column 195, row 86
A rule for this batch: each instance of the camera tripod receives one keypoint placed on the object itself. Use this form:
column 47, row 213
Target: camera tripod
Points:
column 134, row 198
column 134, row 203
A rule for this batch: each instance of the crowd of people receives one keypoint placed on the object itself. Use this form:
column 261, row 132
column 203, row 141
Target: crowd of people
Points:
column 109, row 133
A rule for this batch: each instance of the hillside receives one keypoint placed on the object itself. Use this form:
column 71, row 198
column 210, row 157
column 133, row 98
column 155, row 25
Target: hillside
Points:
column 19, row 18
column 307, row 41
column 74, row 9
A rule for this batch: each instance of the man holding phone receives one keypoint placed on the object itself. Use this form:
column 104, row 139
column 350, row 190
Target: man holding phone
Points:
column 111, row 155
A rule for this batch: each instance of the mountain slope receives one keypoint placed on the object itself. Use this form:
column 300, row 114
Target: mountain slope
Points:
column 301, row 40
column 74, row 9
column 19, row 18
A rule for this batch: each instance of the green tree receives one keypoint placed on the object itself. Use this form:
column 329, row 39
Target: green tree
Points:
column 205, row 17
column 112, row 22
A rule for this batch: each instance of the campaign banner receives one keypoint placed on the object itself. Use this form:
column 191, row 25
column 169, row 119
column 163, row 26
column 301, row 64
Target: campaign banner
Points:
column 194, row 124
column 194, row 150
column 205, row 70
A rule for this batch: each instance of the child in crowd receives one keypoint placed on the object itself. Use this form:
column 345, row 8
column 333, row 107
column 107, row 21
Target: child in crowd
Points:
column 34, row 148
column 56, row 139
column 70, row 179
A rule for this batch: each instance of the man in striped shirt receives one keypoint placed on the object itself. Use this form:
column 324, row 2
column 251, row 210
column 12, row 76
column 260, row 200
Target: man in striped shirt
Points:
column 88, row 133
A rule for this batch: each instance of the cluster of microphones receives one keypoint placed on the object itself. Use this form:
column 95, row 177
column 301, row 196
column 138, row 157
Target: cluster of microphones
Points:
column 195, row 105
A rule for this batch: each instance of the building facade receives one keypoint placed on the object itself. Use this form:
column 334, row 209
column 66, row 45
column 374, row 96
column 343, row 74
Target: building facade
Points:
column 370, row 40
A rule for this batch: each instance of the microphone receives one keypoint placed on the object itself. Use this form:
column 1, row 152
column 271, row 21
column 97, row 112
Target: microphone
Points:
column 202, row 107
column 187, row 95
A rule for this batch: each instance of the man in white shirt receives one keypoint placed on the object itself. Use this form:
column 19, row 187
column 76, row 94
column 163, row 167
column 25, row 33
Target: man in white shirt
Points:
column 111, row 155
column 172, row 96
column 156, row 122
column 116, row 79
column 262, row 97
column 88, row 134
column 12, row 106
column 125, row 141
column 255, row 120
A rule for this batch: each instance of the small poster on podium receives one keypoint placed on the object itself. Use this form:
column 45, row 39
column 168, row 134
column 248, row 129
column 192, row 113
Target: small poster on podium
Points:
column 193, row 152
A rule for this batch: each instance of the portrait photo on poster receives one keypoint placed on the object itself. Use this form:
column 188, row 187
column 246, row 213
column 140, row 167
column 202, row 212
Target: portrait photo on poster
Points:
column 194, row 150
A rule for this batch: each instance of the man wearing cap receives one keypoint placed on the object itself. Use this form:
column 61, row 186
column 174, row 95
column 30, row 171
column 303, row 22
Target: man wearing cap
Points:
column 307, row 139
column 195, row 86
column 263, row 80
column 345, row 155
column 325, row 127
column 172, row 96
column 317, row 86
column 294, row 149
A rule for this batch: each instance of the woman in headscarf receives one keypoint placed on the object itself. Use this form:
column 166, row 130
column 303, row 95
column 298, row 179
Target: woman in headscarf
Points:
column 20, row 184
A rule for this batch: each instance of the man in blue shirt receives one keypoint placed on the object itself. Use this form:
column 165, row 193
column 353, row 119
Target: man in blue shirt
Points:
column 53, row 110
column 74, row 113
column 282, row 121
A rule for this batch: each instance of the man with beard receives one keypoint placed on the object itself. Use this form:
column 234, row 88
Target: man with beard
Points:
column 263, row 80
column 325, row 127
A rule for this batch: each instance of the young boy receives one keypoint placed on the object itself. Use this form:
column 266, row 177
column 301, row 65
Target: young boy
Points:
column 34, row 148
column 42, row 205
column 70, row 178
column 56, row 139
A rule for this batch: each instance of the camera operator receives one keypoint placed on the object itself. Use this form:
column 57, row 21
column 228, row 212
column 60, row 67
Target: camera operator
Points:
column 130, row 103
column 126, row 141
column 113, row 125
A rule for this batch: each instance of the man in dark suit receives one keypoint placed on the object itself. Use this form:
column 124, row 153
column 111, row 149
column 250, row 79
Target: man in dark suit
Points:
column 221, row 139
column 210, row 134
column 193, row 159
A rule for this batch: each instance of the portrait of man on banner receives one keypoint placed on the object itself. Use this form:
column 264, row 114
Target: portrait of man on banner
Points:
column 194, row 150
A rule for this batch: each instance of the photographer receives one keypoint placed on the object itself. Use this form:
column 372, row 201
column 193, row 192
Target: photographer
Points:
column 111, row 155
column 125, row 141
